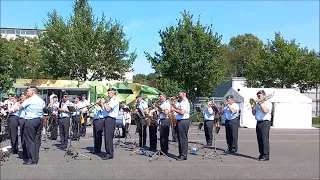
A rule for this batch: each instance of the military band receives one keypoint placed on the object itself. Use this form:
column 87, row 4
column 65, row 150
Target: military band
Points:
column 28, row 112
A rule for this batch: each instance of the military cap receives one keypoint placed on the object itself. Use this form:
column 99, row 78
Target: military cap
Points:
column 55, row 97
column 100, row 96
column 261, row 92
column 10, row 94
column 66, row 94
column 15, row 95
column 83, row 95
column 76, row 97
column 35, row 87
column 183, row 91
column 112, row 89
column 229, row 96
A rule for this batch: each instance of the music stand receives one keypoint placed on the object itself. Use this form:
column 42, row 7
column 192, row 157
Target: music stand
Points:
column 157, row 154
column 73, row 151
column 141, row 150
column 197, row 146
column 46, row 145
column 214, row 153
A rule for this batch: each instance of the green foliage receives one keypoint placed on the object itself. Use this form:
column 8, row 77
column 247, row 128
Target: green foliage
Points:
column 243, row 49
column 84, row 47
column 190, row 55
column 316, row 120
column 283, row 64
column 5, row 62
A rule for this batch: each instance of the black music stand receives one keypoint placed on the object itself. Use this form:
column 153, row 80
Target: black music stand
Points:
column 46, row 145
column 157, row 154
column 73, row 151
column 197, row 146
column 214, row 153
column 141, row 150
column 117, row 133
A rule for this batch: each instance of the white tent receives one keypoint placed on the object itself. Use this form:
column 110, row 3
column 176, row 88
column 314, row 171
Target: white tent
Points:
column 291, row 109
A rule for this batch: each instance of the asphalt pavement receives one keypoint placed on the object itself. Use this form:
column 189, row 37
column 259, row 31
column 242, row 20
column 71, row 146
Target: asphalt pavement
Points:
column 294, row 155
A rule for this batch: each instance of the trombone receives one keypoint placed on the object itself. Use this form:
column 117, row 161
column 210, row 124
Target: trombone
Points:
column 254, row 103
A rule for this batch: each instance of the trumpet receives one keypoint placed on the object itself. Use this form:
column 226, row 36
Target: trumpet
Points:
column 253, row 102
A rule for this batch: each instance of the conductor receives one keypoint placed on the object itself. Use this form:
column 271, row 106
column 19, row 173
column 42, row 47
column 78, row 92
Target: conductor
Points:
column 33, row 107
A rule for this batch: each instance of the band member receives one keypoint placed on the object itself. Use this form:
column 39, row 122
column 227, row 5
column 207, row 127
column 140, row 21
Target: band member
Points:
column 8, row 104
column 98, row 124
column 52, row 96
column 22, row 121
column 76, row 119
column 32, row 129
column 64, row 121
column 183, row 123
column 262, row 113
column 127, row 117
column 174, row 102
column 84, row 103
column 231, row 113
column 142, row 105
column 209, row 114
column 54, row 105
column 153, row 115
column 112, row 109
column 164, row 123
column 14, row 123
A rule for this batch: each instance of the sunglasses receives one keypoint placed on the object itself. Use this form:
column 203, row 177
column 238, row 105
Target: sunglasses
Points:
column 65, row 96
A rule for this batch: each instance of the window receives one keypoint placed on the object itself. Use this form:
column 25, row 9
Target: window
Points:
column 3, row 31
column 30, row 32
column 124, row 91
column 17, row 31
column 11, row 32
column 22, row 32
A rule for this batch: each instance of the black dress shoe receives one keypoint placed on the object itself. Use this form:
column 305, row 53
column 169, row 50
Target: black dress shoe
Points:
column 264, row 158
column 181, row 158
column 209, row 144
column 29, row 163
column 106, row 157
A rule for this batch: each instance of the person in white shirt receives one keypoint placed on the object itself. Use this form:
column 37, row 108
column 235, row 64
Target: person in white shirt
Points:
column 14, row 123
column 76, row 119
column 54, row 106
column 84, row 111
column 142, row 106
column 153, row 128
column 164, row 110
column 182, row 117
column 127, row 117
column 262, row 112
column 209, row 114
column 112, row 111
column 231, row 114
column 52, row 96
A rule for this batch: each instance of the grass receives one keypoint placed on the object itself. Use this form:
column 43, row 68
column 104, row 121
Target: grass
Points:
column 316, row 121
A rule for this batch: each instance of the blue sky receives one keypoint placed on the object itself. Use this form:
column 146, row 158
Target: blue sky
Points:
column 143, row 19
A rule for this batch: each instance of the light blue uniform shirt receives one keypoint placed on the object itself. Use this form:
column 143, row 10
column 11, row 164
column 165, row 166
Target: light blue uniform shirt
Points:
column 16, row 113
column 54, row 107
column 261, row 116
column 65, row 105
column 142, row 105
column 164, row 106
column 227, row 112
column 114, row 105
column 22, row 113
column 98, row 113
column 77, row 107
column 207, row 116
column 33, row 107
column 183, row 105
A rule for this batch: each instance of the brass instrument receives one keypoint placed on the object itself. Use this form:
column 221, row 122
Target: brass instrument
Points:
column 253, row 102
column 172, row 116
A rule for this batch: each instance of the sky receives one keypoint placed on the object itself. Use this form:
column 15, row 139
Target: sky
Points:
column 142, row 20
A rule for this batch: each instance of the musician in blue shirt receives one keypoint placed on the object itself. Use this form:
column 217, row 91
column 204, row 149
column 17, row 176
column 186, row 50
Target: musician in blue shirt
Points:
column 76, row 119
column 231, row 113
column 33, row 114
column 14, row 123
column 262, row 112
column 22, row 121
column 64, row 120
column 142, row 105
column 98, row 124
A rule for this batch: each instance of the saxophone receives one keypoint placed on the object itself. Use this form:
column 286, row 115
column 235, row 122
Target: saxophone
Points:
column 172, row 116
column 148, row 120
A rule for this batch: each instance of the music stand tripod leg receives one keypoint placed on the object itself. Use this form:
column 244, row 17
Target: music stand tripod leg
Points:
column 214, row 153
column 141, row 149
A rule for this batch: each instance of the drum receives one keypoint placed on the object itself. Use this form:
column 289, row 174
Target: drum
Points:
column 120, row 120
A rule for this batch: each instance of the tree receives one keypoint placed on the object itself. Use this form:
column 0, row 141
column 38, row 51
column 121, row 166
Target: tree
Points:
column 190, row 55
column 5, row 62
column 242, row 50
column 85, row 48
column 283, row 64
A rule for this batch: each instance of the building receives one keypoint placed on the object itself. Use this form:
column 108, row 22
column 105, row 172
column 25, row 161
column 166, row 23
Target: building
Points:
column 12, row 33
column 240, row 82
